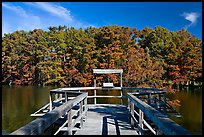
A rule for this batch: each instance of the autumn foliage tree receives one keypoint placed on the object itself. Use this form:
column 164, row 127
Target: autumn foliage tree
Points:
column 179, row 51
column 66, row 56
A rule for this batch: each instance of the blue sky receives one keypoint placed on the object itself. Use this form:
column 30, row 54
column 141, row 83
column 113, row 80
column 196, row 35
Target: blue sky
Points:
column 171, row 15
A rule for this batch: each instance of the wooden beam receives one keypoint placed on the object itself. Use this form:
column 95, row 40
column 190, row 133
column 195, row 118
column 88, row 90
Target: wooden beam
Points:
column 107, row 71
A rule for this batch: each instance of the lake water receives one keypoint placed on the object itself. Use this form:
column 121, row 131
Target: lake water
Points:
column 190, row 109
column 18, row 102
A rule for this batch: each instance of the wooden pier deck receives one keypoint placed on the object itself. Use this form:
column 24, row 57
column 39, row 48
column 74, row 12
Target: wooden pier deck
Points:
column 80, row 118
column 106, row 119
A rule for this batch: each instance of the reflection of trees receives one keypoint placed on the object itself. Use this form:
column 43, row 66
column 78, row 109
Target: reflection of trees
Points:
column 190, row 109
column 18, row 103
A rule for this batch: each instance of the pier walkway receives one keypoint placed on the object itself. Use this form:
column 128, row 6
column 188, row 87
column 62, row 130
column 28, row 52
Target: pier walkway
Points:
column 106, row 119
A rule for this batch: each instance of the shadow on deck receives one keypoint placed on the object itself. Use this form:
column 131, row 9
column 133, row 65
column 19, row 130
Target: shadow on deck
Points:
column 106, row 119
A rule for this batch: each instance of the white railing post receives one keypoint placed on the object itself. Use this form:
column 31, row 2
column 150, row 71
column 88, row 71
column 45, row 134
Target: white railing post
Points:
column 128, row 107
column 94, row 89
column 132, row 114
column 69, row 122
column 66, row 96
column 85, row 105
column 141, row 117
column 50, row 101
column 80, row 113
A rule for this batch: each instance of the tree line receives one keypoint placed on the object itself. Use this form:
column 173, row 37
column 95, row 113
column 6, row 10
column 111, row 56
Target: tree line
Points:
column 64, row 56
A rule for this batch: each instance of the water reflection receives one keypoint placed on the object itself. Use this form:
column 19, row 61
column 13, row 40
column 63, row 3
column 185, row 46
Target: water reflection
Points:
column 19, row 102
column 190, row 109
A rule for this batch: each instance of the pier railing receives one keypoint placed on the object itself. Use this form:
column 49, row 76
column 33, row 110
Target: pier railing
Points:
column 148, row 120
column 63, row 91
column 40, row 125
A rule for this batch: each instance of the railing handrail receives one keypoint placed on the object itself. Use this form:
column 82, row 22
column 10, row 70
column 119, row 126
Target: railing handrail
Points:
column 39, row 125
column 73, row 89
column 82, row 88
column 166, row 125
column 143, row 89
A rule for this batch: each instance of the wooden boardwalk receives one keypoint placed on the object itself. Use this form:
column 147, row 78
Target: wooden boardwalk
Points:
column 81, row 118
column 106, row 119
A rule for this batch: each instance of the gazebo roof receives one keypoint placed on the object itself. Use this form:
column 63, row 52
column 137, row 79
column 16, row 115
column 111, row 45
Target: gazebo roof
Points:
column 107, row 71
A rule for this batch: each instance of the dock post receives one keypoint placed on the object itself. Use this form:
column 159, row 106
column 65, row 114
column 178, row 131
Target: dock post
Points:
column 66, row 96
column 95, row 89
column 128, row 107
column 80, row 112
column 132, row 114
column 60, row 96
column 94, row 97
column 69, row 122
column 85, row 106
column 141, row 117
column 50, row 101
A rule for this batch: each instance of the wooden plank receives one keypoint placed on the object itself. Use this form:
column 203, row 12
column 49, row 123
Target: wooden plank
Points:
column 109, row 119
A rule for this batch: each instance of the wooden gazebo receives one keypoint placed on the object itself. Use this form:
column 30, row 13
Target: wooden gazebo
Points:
column 107, row 71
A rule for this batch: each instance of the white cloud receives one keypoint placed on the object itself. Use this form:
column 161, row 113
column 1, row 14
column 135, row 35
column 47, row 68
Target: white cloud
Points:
column 53, row 9
column 28, row 18
column 59, row 11
column 192, row 17
column 18, row 19
column 17, row 9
